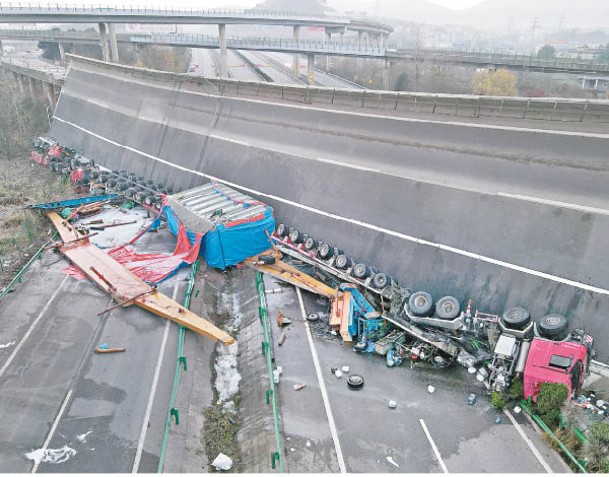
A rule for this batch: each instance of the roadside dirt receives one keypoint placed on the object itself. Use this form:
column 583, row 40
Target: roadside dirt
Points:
column 23, row 231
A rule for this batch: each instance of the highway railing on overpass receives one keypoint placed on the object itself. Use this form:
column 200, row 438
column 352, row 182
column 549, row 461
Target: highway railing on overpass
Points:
column 35, row 69
column 32, row 12
column 510, row 60
column 285, row 45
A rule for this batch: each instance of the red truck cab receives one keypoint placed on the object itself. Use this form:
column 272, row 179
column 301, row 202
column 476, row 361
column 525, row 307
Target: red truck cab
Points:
column 564, row 362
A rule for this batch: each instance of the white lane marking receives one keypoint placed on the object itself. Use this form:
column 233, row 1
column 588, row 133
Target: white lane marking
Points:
column 367, row 114
column 434, row 447
column 155, row 381
column 32, row 326
column 410, row 238
column 322, row 387
column 45, row 446
column 344, row 164
column 528, row 441
column 555, row 203
column 228, row 139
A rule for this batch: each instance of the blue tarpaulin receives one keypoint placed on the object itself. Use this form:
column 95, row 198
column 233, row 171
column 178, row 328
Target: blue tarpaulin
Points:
column 229, row 244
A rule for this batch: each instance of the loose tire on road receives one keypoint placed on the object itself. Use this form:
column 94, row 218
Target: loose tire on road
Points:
column 516, row 318
column 421, row 304
column 553, row 327
column 355, row 381
column 313, row 317
column 448, row 308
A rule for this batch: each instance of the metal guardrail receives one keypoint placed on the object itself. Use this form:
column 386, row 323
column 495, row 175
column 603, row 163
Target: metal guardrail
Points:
column 271, row 395
column 520, row 60
column 343, row 48
column 180, row 362
column 40, row 9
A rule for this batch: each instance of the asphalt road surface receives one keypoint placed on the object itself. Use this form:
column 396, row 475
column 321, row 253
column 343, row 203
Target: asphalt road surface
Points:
column 109, row 410
column 356, row 431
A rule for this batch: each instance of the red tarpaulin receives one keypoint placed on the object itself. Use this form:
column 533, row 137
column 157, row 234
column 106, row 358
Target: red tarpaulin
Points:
column 152, row 267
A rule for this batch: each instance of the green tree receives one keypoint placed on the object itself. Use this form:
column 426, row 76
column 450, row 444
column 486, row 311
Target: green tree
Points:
column 546, row 52
column 597, row 448
column 549, row 401
column 495, row 83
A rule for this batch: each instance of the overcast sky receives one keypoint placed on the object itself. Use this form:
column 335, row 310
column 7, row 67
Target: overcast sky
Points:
column 338, row 4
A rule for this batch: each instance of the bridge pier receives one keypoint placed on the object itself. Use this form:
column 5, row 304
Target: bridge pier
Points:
column 62, row 54
column 48, row 89
column 103, row 37
column 386, row 75
column 296, row 56
column 311, row 68
column 223, row 54
column 113, row 43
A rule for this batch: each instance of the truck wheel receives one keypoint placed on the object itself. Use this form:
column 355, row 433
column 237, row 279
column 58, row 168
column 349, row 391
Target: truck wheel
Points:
column 448, row 307
column 325, row 251
column 355, row 381
column 296, row 236
column 310, row 243
column 282, row 230
column 421, row 304
column 553, row 326
column 516, row 318
column 360, row 271
column 343, row 262
column 380, row 280
column 313, row 317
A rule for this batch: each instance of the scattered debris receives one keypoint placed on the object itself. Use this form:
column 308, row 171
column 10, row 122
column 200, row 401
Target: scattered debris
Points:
column 392, row 404
column 51, row 456
column 345, row 369
column 517, row 409
column 282, row 338
column 308, row 444
column 104, row 349
column 497, row 420
column 430, row 389
column 227, row 376
column 338, row 373
column 7, row 345
column 276, row 375
column 391, row 461
column 222, row 462
column 471, row 399
column 298, row 387
column 83, row 437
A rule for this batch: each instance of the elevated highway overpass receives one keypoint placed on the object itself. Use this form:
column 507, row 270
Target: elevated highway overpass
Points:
column 504, row 211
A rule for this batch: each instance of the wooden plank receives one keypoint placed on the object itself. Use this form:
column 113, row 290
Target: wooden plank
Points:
column 292, row 275
column 126, row 288
column 66, row 231
column 346, row 311
column 165, row 307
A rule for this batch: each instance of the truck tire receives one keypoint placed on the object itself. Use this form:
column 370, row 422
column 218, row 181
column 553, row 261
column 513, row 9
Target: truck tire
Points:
column 310, row 244
column 355, row 381
column 360, row 271
column 448, row 308
column 381, row 280
column 343, row 262
column 516, row 318
column 553, row 327
column 421, row 304
column 296, row 236
column 313, row 317
column 326, row 251
column 282, row 230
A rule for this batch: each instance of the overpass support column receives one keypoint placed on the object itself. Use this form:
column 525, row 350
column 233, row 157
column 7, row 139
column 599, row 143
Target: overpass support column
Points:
column 31, row 86
column 387, row 75
column 296, row 56
column 311, row 68
column 62, row 54
column 48, row 89
column 223, row 55
column 113, row 43
column 360, row 36
column 103, row 41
